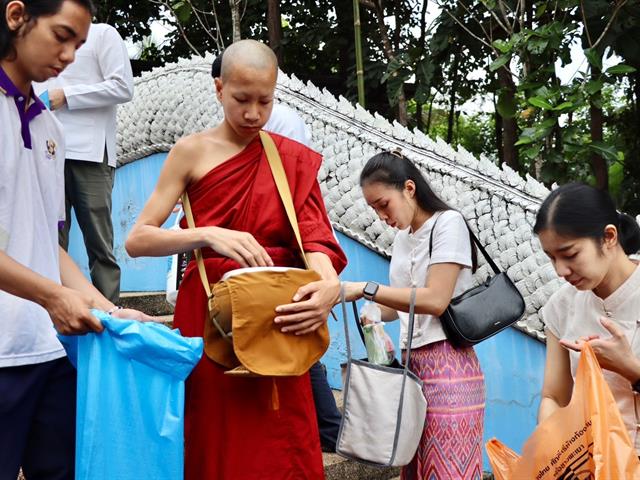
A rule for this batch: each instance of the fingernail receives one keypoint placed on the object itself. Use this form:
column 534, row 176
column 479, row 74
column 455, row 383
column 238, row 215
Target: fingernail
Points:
column 284, row 330
column 277, row 320
column 296, row 298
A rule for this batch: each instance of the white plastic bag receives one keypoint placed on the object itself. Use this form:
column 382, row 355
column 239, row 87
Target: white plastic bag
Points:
column 380, row 349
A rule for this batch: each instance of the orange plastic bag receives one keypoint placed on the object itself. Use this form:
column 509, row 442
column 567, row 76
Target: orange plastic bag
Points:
column 585, row 440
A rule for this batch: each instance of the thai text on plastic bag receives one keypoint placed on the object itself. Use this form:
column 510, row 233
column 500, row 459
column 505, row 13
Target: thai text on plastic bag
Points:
column 130, row 407
column 586, row 439
column 380, row 349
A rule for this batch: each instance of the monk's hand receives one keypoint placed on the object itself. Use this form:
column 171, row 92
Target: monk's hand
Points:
column 613, row 353
column 133, row 314
column 239, row 246
column 310, row 308
column 70, row 312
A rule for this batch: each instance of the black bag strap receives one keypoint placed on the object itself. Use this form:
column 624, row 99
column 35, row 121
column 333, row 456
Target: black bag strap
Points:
column 475, row 240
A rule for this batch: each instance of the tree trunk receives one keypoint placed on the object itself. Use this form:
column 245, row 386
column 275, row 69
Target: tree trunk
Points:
column 403, row 117
column 419, row 120
column 344, row 20
column 598, row 164
column 452, row 112
column 388, row 52
column 429, row 115
column 498, row 138
column 509, row 125
column 452, row 100
column 274, row 27
column 235, row 18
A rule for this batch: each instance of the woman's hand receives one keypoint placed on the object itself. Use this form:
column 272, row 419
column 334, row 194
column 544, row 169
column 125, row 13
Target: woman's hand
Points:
column 613, row 353
column 353, row 290
column 311, row 307
column 239, row 246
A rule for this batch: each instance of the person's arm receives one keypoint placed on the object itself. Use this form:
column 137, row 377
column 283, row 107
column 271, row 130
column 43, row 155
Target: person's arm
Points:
column 431, row 299
column 117, row 84
column 68, row 308
column 147, row 238
column 312, row 302
column 558, row 382
column 388, row 314
column 72, row 277
column 613, row 353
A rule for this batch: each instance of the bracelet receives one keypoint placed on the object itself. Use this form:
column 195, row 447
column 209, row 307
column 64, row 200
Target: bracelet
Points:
column 111, row 310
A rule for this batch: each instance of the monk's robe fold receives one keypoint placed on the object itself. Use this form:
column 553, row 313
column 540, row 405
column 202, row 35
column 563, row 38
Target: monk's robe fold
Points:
column 231, row 429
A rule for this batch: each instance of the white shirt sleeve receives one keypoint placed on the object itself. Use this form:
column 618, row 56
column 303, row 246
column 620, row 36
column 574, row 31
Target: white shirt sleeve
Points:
column 451, row 241
column 284, row 121
column 555, row 311
column 117, row 86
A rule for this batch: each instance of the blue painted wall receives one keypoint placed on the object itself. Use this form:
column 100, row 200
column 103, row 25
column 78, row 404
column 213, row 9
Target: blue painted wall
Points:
column 133, row 185
column 513, row 363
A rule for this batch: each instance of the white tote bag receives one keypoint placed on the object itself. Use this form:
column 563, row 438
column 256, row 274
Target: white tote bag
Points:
column 384, row 408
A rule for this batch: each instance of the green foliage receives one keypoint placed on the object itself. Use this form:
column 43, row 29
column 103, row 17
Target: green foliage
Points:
column 516, row 51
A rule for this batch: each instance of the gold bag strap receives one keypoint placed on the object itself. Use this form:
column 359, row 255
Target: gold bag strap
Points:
column 283, row 187
column 280, row 178
column 203, row 273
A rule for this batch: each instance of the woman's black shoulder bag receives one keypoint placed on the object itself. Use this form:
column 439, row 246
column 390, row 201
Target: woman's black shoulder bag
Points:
column 482, row 311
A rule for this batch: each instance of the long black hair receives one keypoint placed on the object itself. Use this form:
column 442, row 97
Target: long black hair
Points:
column 34, row 9
column 393, row 169
column 580, row 211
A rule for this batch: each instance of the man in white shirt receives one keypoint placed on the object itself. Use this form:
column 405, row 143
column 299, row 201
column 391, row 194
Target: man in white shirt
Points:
column 84, row 98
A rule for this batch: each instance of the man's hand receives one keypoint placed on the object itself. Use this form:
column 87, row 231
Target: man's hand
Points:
column 311, row 307
column 69, row 311
column 613, row 353
column 239, row 246
column 57, row 99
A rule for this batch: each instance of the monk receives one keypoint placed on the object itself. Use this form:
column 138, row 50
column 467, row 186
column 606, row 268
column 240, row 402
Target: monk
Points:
column 232, row 431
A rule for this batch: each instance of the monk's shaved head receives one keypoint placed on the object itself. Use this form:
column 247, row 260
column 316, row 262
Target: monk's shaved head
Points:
column 248, row 54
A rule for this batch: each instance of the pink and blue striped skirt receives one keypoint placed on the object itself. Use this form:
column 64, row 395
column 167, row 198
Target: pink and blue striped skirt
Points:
column 451, row 443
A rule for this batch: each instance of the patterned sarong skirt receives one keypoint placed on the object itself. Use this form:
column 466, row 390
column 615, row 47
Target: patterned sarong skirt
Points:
column 451, row 443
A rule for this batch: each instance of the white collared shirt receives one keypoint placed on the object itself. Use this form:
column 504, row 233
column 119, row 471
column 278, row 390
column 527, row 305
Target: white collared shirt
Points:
column 94, row 84
column 410, row 261
column 284, row 121
column 31, row 207
column 571, row 313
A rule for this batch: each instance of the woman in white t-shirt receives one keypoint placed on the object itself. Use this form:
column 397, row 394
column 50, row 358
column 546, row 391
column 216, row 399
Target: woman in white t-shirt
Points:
column 588, row 242
column 451, row 444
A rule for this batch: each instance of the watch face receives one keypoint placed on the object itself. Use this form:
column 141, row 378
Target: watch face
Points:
column 370, row 289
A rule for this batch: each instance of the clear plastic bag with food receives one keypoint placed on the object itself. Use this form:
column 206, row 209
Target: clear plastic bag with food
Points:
column 380, row 349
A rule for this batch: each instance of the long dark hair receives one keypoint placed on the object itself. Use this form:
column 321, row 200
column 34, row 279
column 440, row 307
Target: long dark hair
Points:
column 34, row 9
column 393, row 169
column 581, row 211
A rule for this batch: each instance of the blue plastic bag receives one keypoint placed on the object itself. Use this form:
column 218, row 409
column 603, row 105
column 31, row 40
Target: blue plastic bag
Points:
column 130, row 407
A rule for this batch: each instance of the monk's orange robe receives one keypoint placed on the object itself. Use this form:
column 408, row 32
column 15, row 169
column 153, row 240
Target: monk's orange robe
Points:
column 232, row 431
